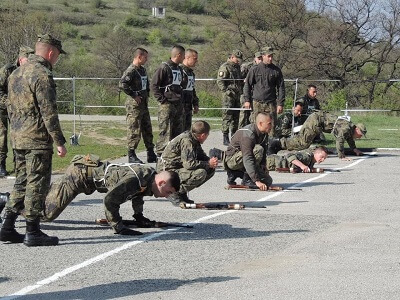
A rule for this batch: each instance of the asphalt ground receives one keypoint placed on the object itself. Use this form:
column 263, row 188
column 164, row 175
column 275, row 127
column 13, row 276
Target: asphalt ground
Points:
column 337, row 238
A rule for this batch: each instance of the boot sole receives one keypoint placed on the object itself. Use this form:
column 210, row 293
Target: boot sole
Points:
column 37, row 244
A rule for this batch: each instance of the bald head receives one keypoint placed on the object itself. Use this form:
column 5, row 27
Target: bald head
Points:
column 264, row 122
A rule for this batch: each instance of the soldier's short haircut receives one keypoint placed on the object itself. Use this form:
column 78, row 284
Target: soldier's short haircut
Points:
column 139, row 51
column 190, row 51
column 200, row 127
column 321, row 149
column 177, row 49
column 174, row 180
column 299, row 103
column 311, row 86
column 263, row 114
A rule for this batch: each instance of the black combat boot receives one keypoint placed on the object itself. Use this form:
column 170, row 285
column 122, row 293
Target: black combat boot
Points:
column 215, row 152
column 226, row 139
column 151, row 156
column 132, row 158
column 3, row 171
column 35, row 237
column 247, row 181
column 7, row 231
column 232, row 175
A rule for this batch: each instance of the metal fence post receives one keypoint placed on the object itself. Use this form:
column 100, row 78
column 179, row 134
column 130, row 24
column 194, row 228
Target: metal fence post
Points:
column 74, row 138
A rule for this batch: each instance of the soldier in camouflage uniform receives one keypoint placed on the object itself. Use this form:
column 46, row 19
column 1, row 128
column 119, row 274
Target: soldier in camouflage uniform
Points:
column 303, row 160
column 185, row 156
column 135, row 84
column 231, row 91
column 246, row 154
column 5, row 72
column 34, row 124
column 167, row 89
column 264, row 88
column 244, row 117
column 189, row 96
column 283, row 126
column 342, row 129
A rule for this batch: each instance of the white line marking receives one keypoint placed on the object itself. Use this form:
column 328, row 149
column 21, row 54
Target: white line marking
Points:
column 126, row 246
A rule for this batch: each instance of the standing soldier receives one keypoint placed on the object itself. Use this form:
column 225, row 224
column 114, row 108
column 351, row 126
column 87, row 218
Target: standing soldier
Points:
column 264, row 88
column 135, row 84
column 167, row 89
column 5, row 72
column 230, row 84
column 310, row 102
column 244, row 118
column 189, row 97
column 34, row 126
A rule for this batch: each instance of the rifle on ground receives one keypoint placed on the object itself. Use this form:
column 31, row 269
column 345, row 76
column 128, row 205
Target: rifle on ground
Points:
column 157, row 224
column 216, row 206
column 298, row 170
column 255, row 188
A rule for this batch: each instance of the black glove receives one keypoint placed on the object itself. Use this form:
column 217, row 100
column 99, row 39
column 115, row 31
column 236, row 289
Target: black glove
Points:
column 142, row 221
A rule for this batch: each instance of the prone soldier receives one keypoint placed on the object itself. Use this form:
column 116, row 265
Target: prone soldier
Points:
column 134, row 82
column 189, row 96
column 230, row 84
column 320, row 121
column 34, row 124
column 166, row 85
column 5, row 73
column 185, row 156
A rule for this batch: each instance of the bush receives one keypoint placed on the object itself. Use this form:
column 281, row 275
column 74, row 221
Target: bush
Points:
column 155, row 37
column 336, row 101
column 208, row 100
column 136, row 22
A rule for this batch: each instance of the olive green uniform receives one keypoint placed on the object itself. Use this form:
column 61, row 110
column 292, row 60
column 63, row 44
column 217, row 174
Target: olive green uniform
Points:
column 244, row 117
column 277, row 161
column 34, row 127
column 5, row 73
column 247, row 153
column 318, row 122
column 231, row 91
column 134, row 82
column 283, row 126
column 189, row 96
column 167, row 89
column 121, row 182
column 185, row 156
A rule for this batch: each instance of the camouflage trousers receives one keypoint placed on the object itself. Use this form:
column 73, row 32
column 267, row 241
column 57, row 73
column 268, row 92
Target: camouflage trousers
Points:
column 267, row 108
column 33, row 174
column 3, row 134
column 235, row 162
column 170, row 123
column 191, row 179
column 310, row 129
column 187, row 116
column 276, row 161
column 244, row 116
column 65, row 189
column 138, row 124
column 230, row 118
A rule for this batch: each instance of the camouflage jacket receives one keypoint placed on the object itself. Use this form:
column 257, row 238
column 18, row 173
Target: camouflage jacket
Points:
column 166, row 82
column 283, row 127
column 134, row 82
column 124, row 181
column 305, row 156
column 245, row 140
column 184, row 151
column 189, row 95
column 32, row 107
column 5, row 73
column 229, row 70
column 265, row 84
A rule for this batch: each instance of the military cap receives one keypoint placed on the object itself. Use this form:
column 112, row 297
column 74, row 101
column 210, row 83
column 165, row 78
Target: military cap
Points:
column 24, row 51
column 258, row 54
column 362, row 128
column 48, row 39
column 267, row 51
column 238, row 54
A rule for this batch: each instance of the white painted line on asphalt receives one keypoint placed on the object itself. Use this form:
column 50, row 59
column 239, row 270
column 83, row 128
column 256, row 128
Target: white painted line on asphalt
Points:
column 126, row 246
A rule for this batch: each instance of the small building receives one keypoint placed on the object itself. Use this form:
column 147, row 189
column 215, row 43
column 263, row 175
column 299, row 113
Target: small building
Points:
column 158, row 12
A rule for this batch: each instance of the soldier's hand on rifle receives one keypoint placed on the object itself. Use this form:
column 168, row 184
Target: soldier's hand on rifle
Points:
column 143, row 222
column 213, row 162
column 262, row 186
column 138, row 99
column 358, row 152
column 305, row 169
